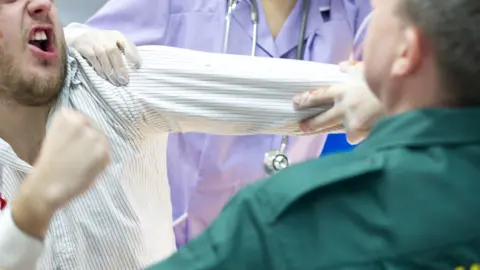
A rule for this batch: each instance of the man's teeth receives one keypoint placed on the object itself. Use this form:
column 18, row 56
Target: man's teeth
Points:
column 40, row 35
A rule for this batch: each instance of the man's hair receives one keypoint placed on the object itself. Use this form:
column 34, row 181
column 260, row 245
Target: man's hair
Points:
column 452, row 28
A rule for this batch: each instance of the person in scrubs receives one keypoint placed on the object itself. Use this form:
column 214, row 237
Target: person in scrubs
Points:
column 206, row 170
column 407, row 197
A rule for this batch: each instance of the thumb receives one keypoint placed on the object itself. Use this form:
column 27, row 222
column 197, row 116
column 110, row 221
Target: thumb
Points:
column 356, row 136
column 353, row 68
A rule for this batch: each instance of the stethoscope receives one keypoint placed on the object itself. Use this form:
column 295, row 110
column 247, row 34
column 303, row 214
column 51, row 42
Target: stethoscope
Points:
column 276, row 159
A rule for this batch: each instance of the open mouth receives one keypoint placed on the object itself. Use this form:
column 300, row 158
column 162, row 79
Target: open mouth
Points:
column 41, row 38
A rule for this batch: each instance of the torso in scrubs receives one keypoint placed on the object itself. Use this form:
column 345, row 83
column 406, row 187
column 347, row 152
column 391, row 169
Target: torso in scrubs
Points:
column 206, row 170
column 405, row 199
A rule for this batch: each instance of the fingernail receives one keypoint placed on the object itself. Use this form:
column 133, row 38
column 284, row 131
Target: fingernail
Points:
column 122, row 80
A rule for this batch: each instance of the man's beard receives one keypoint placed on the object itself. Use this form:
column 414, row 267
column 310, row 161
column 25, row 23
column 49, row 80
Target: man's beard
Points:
column 27, row 89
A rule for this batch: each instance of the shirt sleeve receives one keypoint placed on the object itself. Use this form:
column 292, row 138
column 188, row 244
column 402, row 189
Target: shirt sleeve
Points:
column 179, row 90
column 235, row 240
column 142, row 21
column 18, row 251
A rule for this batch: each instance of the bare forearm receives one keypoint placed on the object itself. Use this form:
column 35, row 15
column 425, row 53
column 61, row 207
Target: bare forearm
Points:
column 24, row 225
column 36, row 204
column 32, row 215
column 72, row 156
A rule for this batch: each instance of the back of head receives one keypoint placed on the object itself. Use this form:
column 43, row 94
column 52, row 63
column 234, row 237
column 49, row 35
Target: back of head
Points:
column 452, row 28
column 424, row 52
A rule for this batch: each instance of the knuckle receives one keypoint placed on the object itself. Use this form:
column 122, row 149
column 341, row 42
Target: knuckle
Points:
column 352, row 103
column 116, row 33
column 316, row 122
column 91, row 135
column 338, row 89
column 70, row 118
column 111, row 48
column 338, row 99
column 111, row 74
column 355, row 124
column 319, row 91
column 80, row 119
column 62, row 114
column 119, row 37
column 88, row 52
column 98, row 50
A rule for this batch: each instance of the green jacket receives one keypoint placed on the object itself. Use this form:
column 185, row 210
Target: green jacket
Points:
column 406, row 198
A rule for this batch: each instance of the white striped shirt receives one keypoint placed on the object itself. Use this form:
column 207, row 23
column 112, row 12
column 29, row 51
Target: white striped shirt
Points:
column 124, row 222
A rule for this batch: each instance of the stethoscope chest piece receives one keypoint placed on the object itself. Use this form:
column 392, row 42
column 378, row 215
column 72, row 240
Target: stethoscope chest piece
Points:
column 275, row 161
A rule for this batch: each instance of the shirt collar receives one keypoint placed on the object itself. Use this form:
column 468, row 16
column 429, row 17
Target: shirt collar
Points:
column 71, row 78
column 425, row 127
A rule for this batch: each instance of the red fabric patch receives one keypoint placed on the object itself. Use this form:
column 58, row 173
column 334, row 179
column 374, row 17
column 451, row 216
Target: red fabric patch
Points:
column 3, row 202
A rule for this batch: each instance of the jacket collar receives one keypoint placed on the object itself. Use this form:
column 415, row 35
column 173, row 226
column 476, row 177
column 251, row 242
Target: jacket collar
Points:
column 436, row 126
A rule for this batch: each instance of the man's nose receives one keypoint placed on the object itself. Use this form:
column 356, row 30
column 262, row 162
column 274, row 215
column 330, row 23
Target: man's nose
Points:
column 39, row 8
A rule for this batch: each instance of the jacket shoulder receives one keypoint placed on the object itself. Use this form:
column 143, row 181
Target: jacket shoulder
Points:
column 290, row 185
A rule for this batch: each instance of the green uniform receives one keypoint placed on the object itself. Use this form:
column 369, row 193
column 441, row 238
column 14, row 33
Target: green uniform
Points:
column 406, row 198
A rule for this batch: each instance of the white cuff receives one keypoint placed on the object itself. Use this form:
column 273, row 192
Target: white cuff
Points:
column 18, row 250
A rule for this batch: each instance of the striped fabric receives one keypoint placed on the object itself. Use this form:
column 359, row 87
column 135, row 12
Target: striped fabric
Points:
column 124, row 221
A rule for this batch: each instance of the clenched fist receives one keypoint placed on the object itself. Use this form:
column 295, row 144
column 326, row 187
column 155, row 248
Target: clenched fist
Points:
column 73, row 154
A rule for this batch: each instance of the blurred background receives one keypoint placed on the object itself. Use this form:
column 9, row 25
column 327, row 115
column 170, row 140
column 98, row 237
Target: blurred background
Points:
column 77, row 11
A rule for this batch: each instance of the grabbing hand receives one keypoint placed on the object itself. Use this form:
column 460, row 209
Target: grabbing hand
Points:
column 355, row 107
column 104, row 49
column 72, row 155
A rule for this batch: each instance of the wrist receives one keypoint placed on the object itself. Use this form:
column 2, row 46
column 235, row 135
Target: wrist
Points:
column 36, row 204
column 74, row 31
column 32, row 214
column 42, row 184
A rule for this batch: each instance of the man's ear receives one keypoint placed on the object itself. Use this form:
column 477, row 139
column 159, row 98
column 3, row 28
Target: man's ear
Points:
column 408, row 53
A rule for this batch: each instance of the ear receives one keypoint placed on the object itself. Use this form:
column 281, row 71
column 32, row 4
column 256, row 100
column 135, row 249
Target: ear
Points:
column 408, row 53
